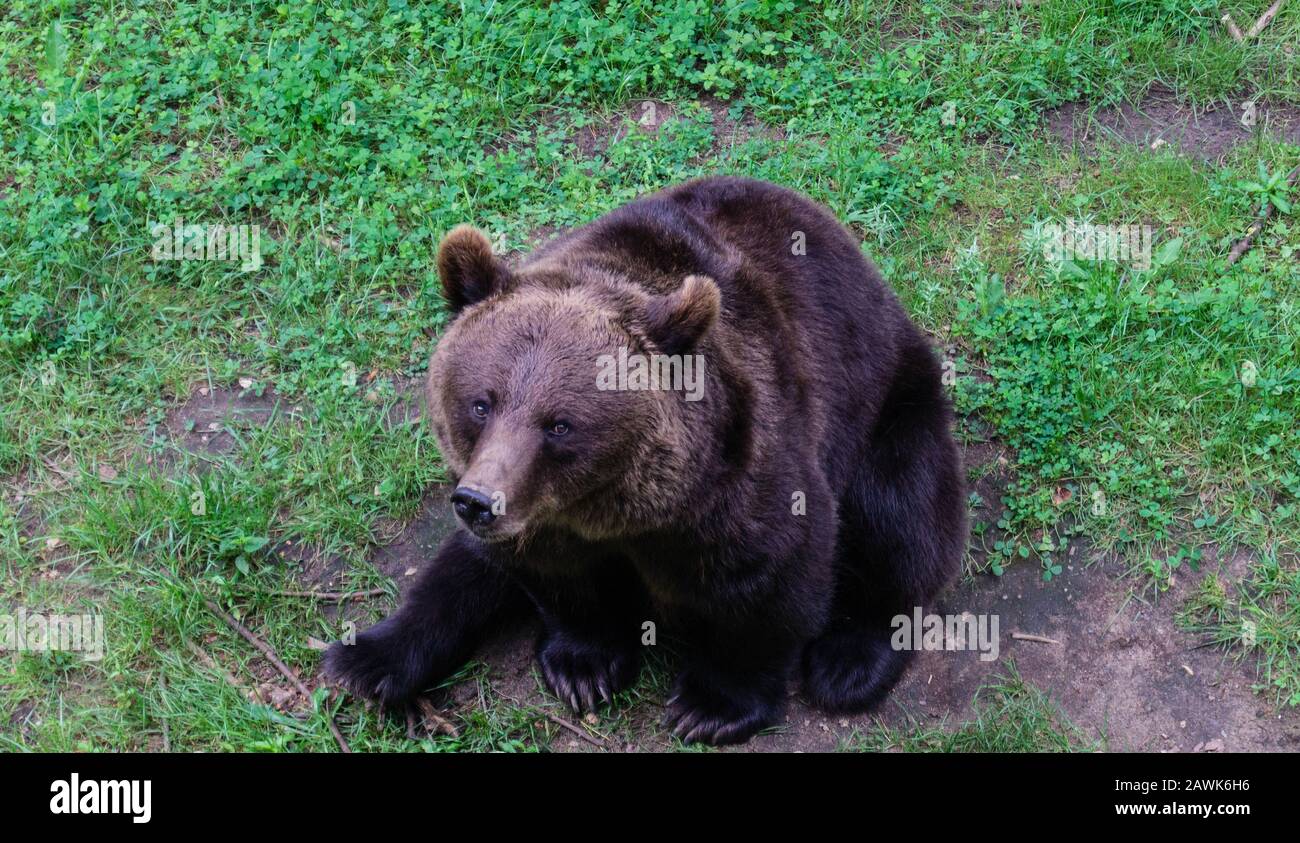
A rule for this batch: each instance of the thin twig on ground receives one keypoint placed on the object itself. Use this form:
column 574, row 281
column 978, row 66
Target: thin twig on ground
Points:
column 332, row 596
column 1256, row 28
column 166, row 734
column 62, row 472
column 1243, row 245
column 274, row 659
column 441, row 725
column 1265, row 19
column 1021, row 636
column 211, row 664
column 1232, row 28
column 582, row 733
column 560, row 721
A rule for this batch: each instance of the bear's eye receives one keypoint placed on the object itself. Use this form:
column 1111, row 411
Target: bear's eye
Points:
column 479, row 409
column 559, row 428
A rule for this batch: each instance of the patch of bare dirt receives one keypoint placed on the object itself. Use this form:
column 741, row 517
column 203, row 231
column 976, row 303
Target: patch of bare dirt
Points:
column 409, row 404
column 207, row 424
column 24, row 718
column 418, row 542
column 1208, row 133
column 649, row 116
column 644, row 115
column 31, row 501
column 1122, row 670
column 19, row 494
column 729, row 132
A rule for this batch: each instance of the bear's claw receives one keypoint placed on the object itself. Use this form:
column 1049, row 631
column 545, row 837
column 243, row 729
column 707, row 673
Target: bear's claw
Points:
column 700, row 713
column 584, row 673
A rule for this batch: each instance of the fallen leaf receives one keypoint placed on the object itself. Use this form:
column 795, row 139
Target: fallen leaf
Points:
column 278, row 697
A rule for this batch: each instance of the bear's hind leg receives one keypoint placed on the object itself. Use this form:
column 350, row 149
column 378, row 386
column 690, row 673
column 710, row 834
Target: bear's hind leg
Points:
column 901, row 538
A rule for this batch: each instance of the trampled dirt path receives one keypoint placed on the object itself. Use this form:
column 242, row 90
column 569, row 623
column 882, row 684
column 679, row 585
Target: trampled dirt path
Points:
column 1160, row 119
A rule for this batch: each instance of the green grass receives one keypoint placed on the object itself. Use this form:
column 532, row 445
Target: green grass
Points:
column 1007, row 715
column 1093, row 377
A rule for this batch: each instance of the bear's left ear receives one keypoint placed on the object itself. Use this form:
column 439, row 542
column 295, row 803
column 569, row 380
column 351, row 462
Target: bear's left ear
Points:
column 678, row 321
column 468, row 269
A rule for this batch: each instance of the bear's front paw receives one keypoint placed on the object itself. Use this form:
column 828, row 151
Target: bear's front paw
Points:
column 378, row 666
column 582, row 672
column 709, row 711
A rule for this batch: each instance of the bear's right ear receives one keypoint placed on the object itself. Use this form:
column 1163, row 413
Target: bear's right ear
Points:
column 468, row 269
column 679, row 320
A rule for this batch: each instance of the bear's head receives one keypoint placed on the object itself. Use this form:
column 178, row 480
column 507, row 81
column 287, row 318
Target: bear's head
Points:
column 534, row 431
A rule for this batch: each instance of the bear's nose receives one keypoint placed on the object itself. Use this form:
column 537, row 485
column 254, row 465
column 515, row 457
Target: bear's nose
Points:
column 472, row 507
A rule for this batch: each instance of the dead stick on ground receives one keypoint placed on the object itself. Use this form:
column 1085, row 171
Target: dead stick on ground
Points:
column 266, row 649
column 212, row 665
column 410, row 725
column 1258, row 27
column 441, row 725
column 1020, row 636
column 274, row 659
column 1264, row 19
column 66, row 475
column 582, row 733
column 333, row 596
column 1243, row 245
column 427, row 716
column 1232, row 28
column 166, row 735
column 572, row 728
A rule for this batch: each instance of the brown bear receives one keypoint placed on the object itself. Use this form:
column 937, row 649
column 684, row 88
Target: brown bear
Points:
column 773, row 516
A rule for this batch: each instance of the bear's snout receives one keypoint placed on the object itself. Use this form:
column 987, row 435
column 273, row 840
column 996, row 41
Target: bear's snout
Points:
column 496, row 495
column 473, row 507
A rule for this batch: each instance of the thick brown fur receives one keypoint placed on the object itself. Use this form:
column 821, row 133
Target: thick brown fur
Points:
column 774, row 526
